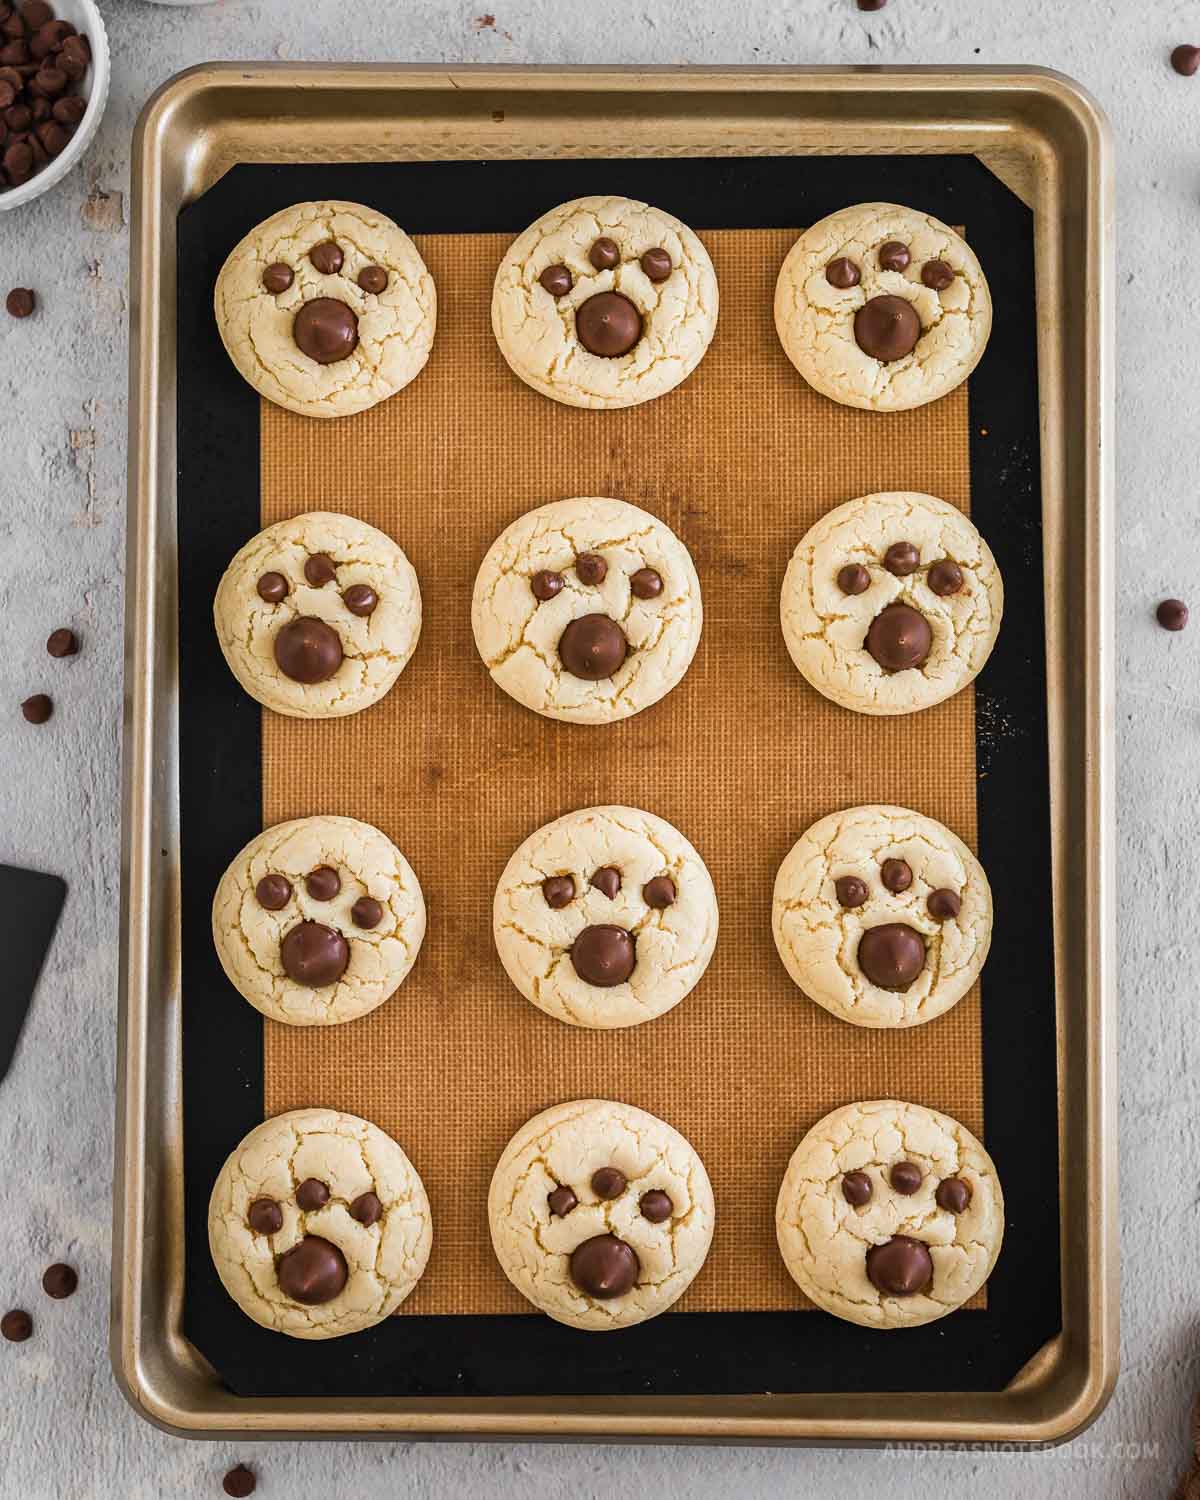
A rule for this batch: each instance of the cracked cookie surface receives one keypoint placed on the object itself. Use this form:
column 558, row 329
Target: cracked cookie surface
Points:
column 385, row 314
column 839, row 880
column 557, row 886
column 323, row 1176
column 376, row 630
column 596, row 1170
column 648, row 259
column 520, row 636
column 839, row 1201
column 828, row 629
column 377, row 911
column 882, row 250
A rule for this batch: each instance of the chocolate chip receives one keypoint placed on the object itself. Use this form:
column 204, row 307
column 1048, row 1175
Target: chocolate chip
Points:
column 856, row 1189
column 590, row 568
column 592, row 647
column 608, row 1182
column 319, row 569
column 604, row 1267
column 604, row 955
column 656, row 1206
column 887, row 328
column 608, row 324
column 69, row 110
column 14, row 54
column 559, row 890
column 19, row 117
column 41, row 111
column 943, row 905
column 899, row 638
column 900, row 1267
column 273, row 892
column 373, row 279
column 906, row 1177
column 1185, row 59
column 265, row 1216
column 53, row 137
column 944, row 577
column 902, row 558
column 323, row 883
column 79, row 47
column 604, row 254
column 891, row 956
column 659, row 893
column 646, row 584
column 49, row 38
column 871, row 4
column 561, row 1200
column 546, row 584
column 1172, row 614
column 278, row 277
column 240, row 1483
column 656, row 264
column 314, row 955
column 312, row 1194
column 851, row 891
column 853, row 579
column 366, row 1209
column 16, row 1326
column 62, row 642
column 326, row 330
column 896, row 875
column 272, row 587
column 59, row 1280
column 7, row 93
column 557, row 280
column 361, row 599
column 21, row 301
column 18, row 164
column 937, row 275
column 894, row 256
column 36, row 13
column 312, row 1272
column 953, row 1194
column 49, row 81
column 37, row 709
column 366, row 912
column 607, row 881
column 327, row 257
column 842, row 273
column 307, row 650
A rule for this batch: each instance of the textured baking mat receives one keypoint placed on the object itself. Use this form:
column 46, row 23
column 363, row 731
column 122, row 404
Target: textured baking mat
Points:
column 741, row 756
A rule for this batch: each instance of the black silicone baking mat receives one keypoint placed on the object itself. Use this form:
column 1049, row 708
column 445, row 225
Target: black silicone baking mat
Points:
column 218, row 500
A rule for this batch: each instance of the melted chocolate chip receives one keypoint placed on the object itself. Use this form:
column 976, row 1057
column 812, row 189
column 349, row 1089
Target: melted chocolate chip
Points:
column 604, row 1267
column 853, row 579
column 592, row 647
column 608, row 1182
column 272, row 587
column 906, row 1177
column 902, row 558
column 312, row 1194
column 887, row 328
column 545, row 585
column 265, row 1216
column 659, row 893
column 361, row 600
column 944, row 577
column 953, row 1194
column 656, row 1206
column 557, row 280
column 319, row 569
column 646, row 583
column 323, row 883
column 366, row 912
column 851, row 891
column 314, row 955
column 604, row 254
column 561, row 1200
column 891, row 956
column 590, row 568
column 607, row 881
column 366, row 1209
column 608, row 324
column 896, row 875
column 656, row 264
column 604, row 955
column 312, row 1272
column 842, row 273
column 373, row 280
column 856, row 1189
column 899, row 638
column 307, row 650
column 277, row 278
column 894, row 255
column 327, row 257
column 901, row 1267
column 937, row 275
column 559, row 890
column 273, row 892
column 326, row 330
column 943, row 905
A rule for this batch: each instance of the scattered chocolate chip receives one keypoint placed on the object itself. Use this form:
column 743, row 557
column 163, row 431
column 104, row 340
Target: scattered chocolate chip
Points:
column 607, row 881
column 906, row 1177
column 592, row 647
column 278, row 277
column 659, row 893
column 59, row 1280
column 307, row 650
column 312, row 1194
column 272, row 587
column 590, row 568
column 953, row 1194
column 327, row 257
column 366, row 912
column 896, row 875
column 656, row 264
column 312, row 1272
column 37, row 709
column 361, row 599
column 373, row 279
column 546, row 584
column 899, row 638
column 851, row 891
column 891, row 956
column 273, row 892
column 900, row 1267
column 604, row 254
column 265, row 1216
column 604, row 955
column 902, row 558
column 557, row 280
column 842, row 273
column 16, row 1326
column 646, row 583
column 240, row 1482
column 608, row 1182
column 894, row 256
column 1185, row 59
column 326, row 330
column 856, row 1189
column 323, row 883
column 319, row 569
column 656, row 1206
column 62, row 642
column 887, row 328
column 366, row 1209
column 853, row 579
column 944, row 577
column 1172, row 614
column 943, row 905
column 608, row 324
column 871, row 4
column 561, row 1200
column 604, row 1267
column 21, row 301
column 937, row 275
column 314, row 955
column 559, row 890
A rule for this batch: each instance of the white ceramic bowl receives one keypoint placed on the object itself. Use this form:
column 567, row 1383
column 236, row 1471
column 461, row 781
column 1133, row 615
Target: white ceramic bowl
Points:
column 84, row 16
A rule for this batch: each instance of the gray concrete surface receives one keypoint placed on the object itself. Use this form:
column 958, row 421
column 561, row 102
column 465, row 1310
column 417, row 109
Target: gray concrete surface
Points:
column 63, row 1427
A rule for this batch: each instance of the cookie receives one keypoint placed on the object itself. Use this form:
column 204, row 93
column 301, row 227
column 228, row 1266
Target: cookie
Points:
column 601, row 1214
column 318, row 616
column 890, row 1214
column 891, row 603
column 605, row 302
column 606, row 917
column 319, row 1224
column 587, row 610
column 882, row 916
column 318, row 920
column 326, row 308
column 882, row 307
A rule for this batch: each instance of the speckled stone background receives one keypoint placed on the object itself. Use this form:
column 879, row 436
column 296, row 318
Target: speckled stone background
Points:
column 64, row 1428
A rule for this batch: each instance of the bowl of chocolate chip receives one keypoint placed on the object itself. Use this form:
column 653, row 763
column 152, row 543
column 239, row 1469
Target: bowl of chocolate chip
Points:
column 53, row 88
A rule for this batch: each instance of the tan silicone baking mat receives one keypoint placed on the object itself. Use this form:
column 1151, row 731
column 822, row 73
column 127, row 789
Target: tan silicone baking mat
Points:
column 742, row 756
